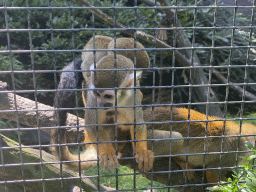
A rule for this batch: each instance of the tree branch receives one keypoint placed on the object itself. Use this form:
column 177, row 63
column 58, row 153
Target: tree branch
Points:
column 15, row 106
column 51, row 170
column 222, row 79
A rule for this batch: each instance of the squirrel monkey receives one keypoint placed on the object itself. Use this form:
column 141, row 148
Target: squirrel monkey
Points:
column 209, row 141
column 106, row 99
column 125, row 97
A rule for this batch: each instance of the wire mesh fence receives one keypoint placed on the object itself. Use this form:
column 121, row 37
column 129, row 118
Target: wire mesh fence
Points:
column 133, row 95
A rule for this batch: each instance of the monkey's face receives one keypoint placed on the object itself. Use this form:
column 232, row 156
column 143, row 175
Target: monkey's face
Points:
column 105, row 98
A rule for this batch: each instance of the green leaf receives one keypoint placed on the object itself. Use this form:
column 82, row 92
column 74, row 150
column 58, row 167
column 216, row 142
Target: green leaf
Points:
column 249, row 145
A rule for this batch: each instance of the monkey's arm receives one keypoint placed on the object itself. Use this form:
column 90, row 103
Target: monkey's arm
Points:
column 106, row 151
column 144, row 157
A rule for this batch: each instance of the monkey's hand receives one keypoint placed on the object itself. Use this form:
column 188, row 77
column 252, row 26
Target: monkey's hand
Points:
column 108, row 155
column 145, row 159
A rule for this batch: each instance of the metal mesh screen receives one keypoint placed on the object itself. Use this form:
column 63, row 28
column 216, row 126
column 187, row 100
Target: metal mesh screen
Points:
column 195, row 98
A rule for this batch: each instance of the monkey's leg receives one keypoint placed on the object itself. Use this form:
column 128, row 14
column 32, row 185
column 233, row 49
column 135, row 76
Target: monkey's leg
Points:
column 141, row 94
column 215, row 176
column 185, row 166
column 170, row 143
column 164, row 147
column 211, row 177
column 69, row 79
column 144, row 157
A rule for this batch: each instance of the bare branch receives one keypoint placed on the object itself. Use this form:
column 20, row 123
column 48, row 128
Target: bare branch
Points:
column 222, row 79
column 51, row 170
column 14, row 106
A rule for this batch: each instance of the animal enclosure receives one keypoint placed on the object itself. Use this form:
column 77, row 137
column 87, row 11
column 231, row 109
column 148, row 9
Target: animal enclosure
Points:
column 126, row 95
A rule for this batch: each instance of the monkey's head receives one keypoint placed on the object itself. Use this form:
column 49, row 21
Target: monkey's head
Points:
column 106, row 77
column 142, row 59
column 99, row 41
column 88, row 57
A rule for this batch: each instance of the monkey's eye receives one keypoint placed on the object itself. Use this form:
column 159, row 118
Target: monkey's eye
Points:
column 97, row 94
column 107, row 96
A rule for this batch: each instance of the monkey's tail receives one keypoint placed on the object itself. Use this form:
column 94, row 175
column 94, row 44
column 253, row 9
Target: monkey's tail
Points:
column 84, row 161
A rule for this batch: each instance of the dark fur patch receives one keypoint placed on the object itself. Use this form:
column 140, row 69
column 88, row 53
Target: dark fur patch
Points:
column 110, row 112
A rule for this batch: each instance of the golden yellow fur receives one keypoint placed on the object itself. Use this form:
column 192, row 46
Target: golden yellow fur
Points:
column 142, row 59
column 207, row 130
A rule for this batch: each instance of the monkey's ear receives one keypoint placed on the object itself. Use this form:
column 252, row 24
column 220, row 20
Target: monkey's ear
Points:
column 129, row 80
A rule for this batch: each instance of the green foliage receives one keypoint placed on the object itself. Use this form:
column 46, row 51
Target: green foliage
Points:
column 63, row 38
column 253, row 116
column 9, row 62
column 4, row 124
column 244, row 179
column 250, row 118
column 222, row 36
